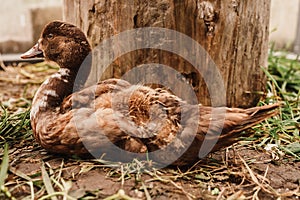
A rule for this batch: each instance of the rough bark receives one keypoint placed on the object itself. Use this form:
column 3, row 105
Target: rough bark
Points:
column 233, row 32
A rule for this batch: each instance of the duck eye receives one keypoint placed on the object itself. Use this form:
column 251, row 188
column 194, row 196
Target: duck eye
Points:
column 50, row 36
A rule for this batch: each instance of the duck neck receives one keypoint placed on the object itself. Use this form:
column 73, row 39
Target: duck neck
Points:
column 61, row 84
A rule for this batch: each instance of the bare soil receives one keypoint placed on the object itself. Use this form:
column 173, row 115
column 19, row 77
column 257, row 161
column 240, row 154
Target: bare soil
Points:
column 238, row 172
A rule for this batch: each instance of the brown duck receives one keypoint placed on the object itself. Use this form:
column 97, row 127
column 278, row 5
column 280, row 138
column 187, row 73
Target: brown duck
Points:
column 119, row 121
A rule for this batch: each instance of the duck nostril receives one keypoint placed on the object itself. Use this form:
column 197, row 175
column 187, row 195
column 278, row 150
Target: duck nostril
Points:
column 34, row 52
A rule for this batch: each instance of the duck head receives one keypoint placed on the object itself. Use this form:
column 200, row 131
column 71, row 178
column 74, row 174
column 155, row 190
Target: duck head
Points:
column 62, row 43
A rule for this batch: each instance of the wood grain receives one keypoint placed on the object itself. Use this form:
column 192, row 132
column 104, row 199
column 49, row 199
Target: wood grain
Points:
column 233, row 32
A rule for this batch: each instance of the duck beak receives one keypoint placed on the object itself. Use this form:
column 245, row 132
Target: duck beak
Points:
column 34, row 52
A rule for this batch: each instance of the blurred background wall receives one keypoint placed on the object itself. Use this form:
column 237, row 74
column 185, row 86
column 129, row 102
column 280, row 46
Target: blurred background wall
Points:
column 21, row 22
column 284, row 22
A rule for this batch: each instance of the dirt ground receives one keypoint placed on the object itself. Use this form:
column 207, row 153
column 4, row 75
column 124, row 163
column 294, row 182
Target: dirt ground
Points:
column 238, row 172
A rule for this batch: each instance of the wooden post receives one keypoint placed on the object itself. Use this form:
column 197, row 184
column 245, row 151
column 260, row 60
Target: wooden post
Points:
column 233, row 32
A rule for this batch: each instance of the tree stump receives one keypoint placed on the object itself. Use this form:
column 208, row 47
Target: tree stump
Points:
column 233, row 32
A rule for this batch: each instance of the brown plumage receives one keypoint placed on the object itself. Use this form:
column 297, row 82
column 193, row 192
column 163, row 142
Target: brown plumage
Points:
column 122, row 120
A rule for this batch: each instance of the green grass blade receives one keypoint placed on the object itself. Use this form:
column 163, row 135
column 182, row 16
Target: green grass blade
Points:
column 4, row 167
column 271, row 78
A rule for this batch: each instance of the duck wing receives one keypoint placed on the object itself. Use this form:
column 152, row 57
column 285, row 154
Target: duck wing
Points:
column 221, row 127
